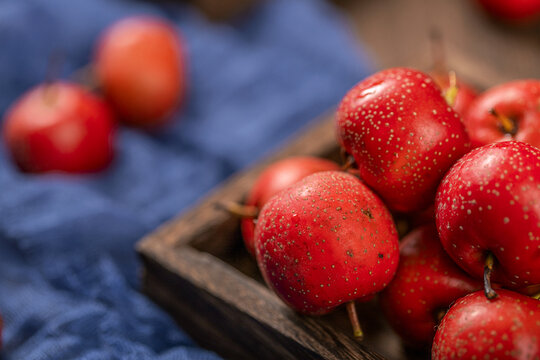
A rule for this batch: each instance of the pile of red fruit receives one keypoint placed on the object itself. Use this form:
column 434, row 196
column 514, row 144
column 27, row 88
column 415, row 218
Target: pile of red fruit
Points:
column 464, row 280
column 61, row 126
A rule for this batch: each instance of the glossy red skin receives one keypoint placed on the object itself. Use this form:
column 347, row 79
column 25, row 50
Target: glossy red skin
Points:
column 489, row 201
column 402, row 134
column 507, row 327
column 275, row 178
column 519, row 100
column 512, row 10
column 325, row 241
column 60, row 127
column 427, row 281
column 141, row 67
column 465, row 94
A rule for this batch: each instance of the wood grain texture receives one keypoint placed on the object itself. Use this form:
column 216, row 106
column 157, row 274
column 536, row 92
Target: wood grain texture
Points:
column 238, row 317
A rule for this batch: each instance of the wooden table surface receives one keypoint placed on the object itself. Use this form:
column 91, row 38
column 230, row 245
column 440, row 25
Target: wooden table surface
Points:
column 396, row 32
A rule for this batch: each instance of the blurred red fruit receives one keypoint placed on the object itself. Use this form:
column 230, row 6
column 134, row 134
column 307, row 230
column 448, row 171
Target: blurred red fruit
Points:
column 60, row 127
column 512, row 10
column 508, row 111
column 140, row 65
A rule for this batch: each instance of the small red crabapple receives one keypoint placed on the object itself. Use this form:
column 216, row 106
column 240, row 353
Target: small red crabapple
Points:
column 402, row 134
column 507, row 327
column 488, row 213
column 326, row 241
column 427, row 281
column 509, row 111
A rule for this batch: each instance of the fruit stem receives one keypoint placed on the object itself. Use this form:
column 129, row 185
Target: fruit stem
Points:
column 54, row 67
column 239, row 210
column 536, row 296
column 353, row 317
column 439, row 315
column 348, row 163
column 437, row 50
column 507, row 124
column 488, row 268
column 402, row 227
column 450, row 94
column 346, row 159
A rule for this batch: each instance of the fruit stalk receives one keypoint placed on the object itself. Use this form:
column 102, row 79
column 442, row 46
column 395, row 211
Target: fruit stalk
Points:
column 507, row 124
column 54, row 68
column 349, row 162
column 437, row 50
column 353, row 317
column 241, row 211
column 450, row 94
column 488, row 269
column 439, row 315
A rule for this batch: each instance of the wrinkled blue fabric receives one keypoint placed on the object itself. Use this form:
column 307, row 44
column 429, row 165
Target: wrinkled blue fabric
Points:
column 68, row 272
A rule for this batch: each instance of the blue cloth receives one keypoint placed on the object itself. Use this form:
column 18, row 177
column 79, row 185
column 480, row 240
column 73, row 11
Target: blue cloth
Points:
column 68, row 271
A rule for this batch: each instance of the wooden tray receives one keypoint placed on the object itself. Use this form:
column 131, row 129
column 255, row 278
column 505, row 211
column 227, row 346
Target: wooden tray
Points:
column 196, row 267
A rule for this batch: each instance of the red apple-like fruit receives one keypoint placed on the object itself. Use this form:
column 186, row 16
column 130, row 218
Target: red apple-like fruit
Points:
column 140, row 65
column 427, row 281
column 326, row 241
column 510, row 111
column 513, row 11
column 488, row 213
column 402, row 134
column 275, row 178
column 59, row 127
column 507, row 327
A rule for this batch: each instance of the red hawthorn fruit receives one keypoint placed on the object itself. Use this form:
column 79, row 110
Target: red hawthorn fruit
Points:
column 510, row 111
column 402, row 134
column 140, row 64
column 488, row 207
column 513, row 11
column 427, row 281
column 276, row 177
column 59, row 127
column 326, row 241
column 507, row 327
